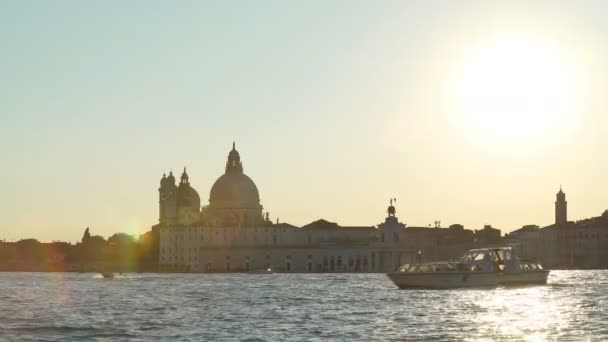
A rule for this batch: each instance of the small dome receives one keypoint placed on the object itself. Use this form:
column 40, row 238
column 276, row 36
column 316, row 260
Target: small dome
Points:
column 186, row 196
column 171, row 179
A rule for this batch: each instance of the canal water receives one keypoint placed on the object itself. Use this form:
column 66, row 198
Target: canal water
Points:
column 294, row 307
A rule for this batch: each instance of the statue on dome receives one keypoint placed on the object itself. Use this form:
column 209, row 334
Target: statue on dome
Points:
column 391, row 209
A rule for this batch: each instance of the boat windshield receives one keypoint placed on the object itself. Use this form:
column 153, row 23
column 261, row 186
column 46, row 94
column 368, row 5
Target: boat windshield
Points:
column 430, row 267
column 477, row 255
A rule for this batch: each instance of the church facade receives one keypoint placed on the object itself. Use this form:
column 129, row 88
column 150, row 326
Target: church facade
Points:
column 234, row 234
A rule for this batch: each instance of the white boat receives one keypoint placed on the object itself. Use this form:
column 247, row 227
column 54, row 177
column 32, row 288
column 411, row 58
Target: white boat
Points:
column 477, row 268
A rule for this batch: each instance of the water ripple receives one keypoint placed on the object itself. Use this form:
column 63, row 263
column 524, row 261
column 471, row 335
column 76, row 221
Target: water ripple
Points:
column 295, row 307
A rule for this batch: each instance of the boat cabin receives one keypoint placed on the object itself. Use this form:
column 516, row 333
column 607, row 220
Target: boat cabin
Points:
column 499, row 259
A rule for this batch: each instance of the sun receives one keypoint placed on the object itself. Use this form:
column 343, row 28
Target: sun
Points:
column 515, row 89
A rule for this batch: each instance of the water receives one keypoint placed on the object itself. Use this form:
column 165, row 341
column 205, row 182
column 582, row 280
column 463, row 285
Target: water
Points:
column 294, row 307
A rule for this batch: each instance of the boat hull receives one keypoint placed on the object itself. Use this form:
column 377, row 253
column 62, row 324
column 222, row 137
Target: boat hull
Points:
column 444, row 280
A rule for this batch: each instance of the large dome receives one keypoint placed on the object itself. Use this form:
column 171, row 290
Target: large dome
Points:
column 234, row 189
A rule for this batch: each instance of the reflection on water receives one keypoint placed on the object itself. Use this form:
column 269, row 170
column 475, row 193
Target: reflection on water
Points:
column 295, row 307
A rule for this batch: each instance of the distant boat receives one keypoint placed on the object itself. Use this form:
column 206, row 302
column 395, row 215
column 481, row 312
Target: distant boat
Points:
column 108, row 275
column 261, row 271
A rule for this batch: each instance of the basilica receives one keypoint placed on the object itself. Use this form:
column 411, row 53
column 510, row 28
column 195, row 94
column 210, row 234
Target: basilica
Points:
column 232, row 233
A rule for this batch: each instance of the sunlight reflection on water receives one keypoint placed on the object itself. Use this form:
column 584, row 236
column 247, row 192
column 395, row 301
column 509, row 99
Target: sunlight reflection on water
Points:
column 295, row 307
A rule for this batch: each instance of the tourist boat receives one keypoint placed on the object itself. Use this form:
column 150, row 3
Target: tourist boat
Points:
column 477, row 268
column 107, row 275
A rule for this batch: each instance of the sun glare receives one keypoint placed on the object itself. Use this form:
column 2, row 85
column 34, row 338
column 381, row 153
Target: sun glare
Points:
column 514, row 89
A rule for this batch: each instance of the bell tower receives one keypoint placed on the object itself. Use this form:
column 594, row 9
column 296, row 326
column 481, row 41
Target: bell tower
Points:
column 561, row 208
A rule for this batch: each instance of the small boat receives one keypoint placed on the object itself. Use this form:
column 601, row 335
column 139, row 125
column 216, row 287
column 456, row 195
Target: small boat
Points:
column 261, row 271
column 477, row 268
column 107, row 275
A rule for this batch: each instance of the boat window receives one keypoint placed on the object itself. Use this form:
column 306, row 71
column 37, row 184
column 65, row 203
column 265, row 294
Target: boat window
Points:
column 480, row 256
column 424, row 268
column 540, row 267
column 507, row 255
column 500, row 254
column 404, row 268
column 474, row 268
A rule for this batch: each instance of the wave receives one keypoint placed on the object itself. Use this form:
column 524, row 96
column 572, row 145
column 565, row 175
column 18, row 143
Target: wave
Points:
column 66, row 330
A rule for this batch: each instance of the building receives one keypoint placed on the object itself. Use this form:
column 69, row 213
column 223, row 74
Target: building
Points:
column 234, row 234
column 488, row 236
column 526, row 242
column 565, row 244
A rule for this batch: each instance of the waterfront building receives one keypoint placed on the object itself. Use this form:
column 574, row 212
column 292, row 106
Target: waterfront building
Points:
column 234, row 234
column 525, row 241
column 488, row 236
column 565, row 244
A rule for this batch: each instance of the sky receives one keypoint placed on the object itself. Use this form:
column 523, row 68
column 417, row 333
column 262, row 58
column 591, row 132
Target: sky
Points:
column 470, row 112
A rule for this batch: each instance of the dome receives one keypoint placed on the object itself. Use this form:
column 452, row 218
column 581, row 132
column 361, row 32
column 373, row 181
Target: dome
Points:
column 235, row 189
column 170, row 179
column 186, row 196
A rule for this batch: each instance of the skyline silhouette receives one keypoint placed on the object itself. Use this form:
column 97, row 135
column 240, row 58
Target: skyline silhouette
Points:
column 467, row 114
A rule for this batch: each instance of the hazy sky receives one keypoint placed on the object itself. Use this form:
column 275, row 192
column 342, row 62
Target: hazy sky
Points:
column 335, row 106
